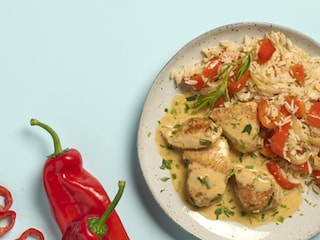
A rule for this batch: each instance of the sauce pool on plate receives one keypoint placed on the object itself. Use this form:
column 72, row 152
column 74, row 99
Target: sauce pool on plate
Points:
column 228, row 208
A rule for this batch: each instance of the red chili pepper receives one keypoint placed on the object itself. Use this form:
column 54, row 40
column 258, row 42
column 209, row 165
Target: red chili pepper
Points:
column 93, row 227
column 73, row 192
column 10, row 217
column 5, row 193
column 31, row 232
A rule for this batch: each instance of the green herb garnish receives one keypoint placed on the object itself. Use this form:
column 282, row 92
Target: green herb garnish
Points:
column 247, row 129
column 204, row 142
column 191, row 98
column 281, row 219
column 227, row 69
column 223, row 210
column 166, row 164
column 164, row 179
column 205, row 181
column 249, row 166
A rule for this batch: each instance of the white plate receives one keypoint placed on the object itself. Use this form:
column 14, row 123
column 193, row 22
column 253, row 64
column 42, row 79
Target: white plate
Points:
column 159, row 98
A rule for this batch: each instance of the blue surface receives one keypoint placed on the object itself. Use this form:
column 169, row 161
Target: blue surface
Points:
column 85, row 67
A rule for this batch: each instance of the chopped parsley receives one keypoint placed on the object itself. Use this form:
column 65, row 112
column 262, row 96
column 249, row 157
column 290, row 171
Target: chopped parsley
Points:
column 235, row 124
column 214, row 129
column 242, row 144
column 247, row 129
column 176, row 128
column 222, row 209
column 186, row 108
column 166, row 164
column 280, row 219
column 205, row 181
column 252, row 154
column 164, row 179
column 249, row 166
column 204, row 142
column 173, row 111
column 270, row 200
column 191, row 98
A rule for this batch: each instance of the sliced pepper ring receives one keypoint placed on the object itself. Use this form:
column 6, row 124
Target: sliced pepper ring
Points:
column 281, row 179
column 31, row 232
column 5, row 193
column 11, row 217
column 267, row 123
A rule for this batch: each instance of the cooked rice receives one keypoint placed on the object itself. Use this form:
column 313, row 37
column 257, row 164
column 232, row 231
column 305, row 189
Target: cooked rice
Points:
column 272, row 81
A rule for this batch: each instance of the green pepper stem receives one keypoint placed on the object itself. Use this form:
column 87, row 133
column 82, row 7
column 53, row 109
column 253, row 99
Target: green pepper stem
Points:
column 114, row 203
column 56, row 141
column 97, row 225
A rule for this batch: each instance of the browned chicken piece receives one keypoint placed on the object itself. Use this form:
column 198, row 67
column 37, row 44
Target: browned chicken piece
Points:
column 208, row 173
column 256, row 190
column 216, row 156
column 240, row 125
column 194, row 133
column 204, row 185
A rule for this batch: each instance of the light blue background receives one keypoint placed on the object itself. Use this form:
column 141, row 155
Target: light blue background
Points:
column 85, row 67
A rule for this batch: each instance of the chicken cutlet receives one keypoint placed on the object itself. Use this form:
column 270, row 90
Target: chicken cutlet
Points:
column 208, row 172
column 216, row 156
column 256, row 190
column 194, row 133
column 204, row 185
column 240, row 125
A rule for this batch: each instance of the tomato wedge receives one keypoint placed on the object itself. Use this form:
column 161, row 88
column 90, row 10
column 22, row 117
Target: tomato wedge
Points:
column 298, row 72
column 279, row 176
column 279, row 139
column 9, row 217
column 31, row 232
column 314, row 114
column 236, row 86
column 266, row 50
column 267, row 123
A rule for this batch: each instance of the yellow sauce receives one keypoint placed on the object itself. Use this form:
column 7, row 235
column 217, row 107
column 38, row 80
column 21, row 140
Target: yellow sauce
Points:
column 291, row 201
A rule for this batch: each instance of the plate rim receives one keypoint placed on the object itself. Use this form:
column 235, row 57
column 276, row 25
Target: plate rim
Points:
column 142, row 134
